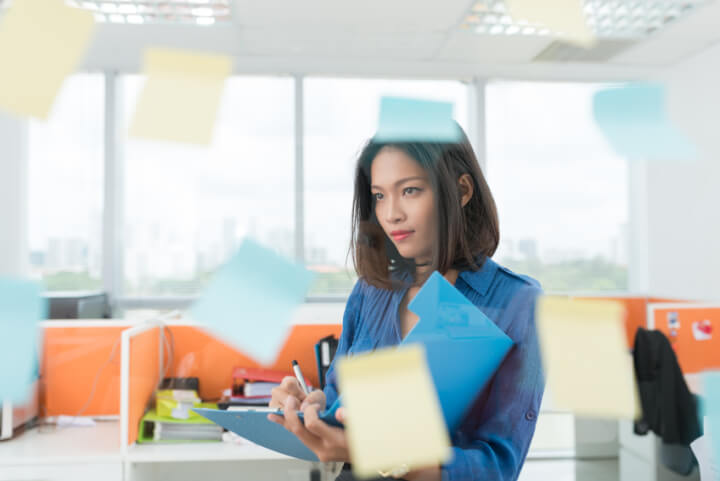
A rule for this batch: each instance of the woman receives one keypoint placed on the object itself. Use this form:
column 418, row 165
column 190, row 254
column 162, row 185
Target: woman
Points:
column 421, row 207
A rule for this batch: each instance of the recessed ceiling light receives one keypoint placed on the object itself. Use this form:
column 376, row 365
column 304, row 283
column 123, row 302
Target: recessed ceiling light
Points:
column 196, row 12
column 496, row 29
column 606, row 18
column 205, row 20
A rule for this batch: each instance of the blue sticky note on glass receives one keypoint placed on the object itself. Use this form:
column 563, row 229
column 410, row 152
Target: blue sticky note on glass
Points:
column 21, row 309
column 416, row 120
column 635, row 122
column 711, row 409
column 250, row 300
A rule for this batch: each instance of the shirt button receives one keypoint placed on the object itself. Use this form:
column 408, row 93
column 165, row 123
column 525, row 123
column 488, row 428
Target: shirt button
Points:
column 530, row 416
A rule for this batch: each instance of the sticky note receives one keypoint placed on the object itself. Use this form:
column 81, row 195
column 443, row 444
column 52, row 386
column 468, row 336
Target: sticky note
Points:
column 41, row 43
column 634, row 120
column 565, row 18
column 393, row 413
column 711, row 409
column 21, row 308
column 585, row 355
column 181, row 96
column 250, row 300
column 416, row 120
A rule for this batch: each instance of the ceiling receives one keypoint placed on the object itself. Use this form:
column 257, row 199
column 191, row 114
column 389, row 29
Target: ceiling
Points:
column 394, row 38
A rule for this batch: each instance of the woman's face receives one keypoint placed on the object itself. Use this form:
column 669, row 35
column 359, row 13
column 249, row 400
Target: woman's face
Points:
column 404, row 203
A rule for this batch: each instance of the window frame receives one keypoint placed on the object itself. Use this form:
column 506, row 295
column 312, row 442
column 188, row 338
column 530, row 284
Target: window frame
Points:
column 114, row 187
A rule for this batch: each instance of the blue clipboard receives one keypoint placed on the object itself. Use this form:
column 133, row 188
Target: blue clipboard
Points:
column 253, row 425
column 454, row 332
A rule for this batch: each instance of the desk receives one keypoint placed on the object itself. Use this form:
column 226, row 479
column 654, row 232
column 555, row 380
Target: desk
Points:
column 93, row 453
column 75, row 453
column 212, row 461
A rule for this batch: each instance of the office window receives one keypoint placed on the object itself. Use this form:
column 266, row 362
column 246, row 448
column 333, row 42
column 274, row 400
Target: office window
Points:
column 65, row 194
column 187, row 207
column 340, row 116
column 561, row 191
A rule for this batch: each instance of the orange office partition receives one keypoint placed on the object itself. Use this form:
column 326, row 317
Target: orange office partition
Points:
column 75, row 353
column 693, row 331
column 78, row 356
column 198, row 353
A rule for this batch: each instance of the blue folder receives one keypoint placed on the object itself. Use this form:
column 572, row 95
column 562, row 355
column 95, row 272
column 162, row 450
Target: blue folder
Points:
column 464, row 349
column 463, row 346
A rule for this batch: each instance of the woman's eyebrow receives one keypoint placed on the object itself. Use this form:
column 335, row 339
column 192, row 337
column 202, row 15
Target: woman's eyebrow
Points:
column 402, row 181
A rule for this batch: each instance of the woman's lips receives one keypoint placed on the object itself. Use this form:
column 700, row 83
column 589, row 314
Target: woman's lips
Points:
column 400, row 235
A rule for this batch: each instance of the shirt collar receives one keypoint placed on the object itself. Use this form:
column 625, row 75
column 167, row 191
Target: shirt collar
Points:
column 480, row 280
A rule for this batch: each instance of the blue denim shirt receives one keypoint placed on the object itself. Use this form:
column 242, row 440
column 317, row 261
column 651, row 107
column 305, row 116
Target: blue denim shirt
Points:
column 493, row 439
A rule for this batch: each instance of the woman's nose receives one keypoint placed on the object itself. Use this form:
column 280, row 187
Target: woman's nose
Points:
column 394, row 212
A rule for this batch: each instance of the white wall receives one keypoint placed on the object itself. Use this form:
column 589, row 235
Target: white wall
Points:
column 683, row 198
column 13, row 199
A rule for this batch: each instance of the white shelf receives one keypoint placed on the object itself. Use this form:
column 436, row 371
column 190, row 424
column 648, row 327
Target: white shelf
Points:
column 66, row 445
column 192, row 452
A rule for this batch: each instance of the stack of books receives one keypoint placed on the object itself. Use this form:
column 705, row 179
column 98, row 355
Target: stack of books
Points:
column 251, row 387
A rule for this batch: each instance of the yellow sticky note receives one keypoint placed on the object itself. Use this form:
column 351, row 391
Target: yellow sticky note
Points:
column 393, row 414
column 181, row 96
column 565, row 18
column 41, row 43
column 586, row 358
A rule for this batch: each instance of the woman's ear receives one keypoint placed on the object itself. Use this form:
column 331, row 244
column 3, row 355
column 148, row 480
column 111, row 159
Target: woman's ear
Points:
column 466, row 189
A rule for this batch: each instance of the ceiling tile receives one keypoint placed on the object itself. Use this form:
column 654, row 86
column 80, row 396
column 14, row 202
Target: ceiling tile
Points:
column 360, row 16
column 384, row 46
column 468, row 46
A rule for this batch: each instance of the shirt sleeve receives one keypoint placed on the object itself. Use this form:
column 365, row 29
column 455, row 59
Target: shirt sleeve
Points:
column 495, row 436
column 350, row 317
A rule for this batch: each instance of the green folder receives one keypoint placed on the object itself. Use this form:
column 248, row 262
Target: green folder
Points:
column 162, row 429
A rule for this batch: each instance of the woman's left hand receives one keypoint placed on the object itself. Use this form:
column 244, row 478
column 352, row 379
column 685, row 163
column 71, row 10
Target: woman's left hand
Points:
column 327, row 442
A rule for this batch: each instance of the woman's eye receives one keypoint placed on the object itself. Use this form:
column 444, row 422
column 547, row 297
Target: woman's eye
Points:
column 410, row 190
column 378, row 196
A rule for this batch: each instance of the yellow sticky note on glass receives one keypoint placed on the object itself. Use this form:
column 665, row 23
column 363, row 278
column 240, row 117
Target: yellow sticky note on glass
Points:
column 588, row 364
column 181, row 96
column 393, row 413
column 41, row 43
column 565, row 18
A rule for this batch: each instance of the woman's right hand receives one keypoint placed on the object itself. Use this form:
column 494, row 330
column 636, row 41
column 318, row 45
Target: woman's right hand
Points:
column 290, row 386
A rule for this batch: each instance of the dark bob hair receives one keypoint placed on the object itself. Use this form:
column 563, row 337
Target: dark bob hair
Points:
column 465, row 236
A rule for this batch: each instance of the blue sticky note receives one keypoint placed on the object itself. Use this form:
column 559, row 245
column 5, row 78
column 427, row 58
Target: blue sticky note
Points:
column 416, row 120
column 250, row 300
column 635, row 122
column 711, row 408
column 456, row 333
column 21, row 308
